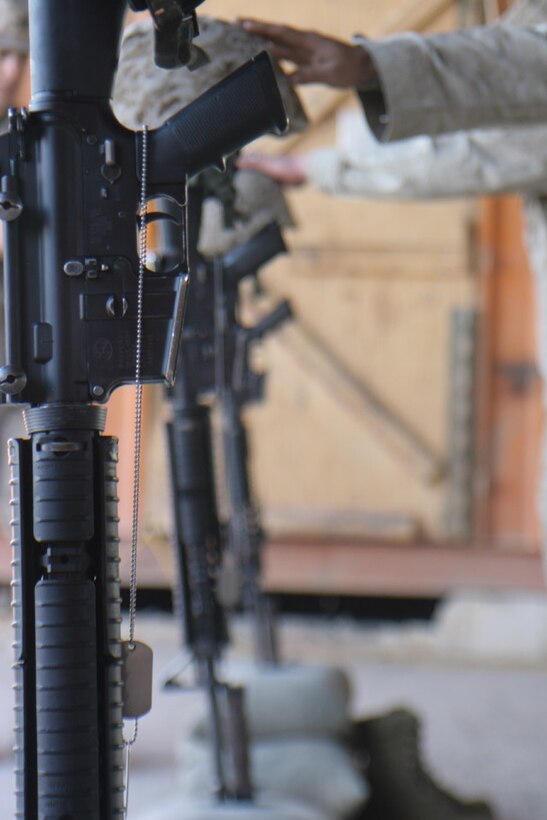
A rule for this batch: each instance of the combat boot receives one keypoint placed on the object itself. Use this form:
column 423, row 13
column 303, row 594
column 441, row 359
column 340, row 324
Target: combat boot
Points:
column 400, row 787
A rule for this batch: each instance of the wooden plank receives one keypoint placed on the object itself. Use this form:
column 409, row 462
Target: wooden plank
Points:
column 333, row 523
column 353, row 568
column 510, row 412
column 415, row 15
column 392, row 335
column 308, row 451
column 412, row 15
column 360, row 400
column 321, row 15
column 391, row 264
column 336, row 223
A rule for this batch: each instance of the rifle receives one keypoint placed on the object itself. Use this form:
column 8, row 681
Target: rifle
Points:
column 206, row 350
column 238, row 385
column 80, row 308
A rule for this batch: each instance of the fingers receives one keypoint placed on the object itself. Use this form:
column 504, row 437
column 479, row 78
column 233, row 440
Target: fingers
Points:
column 285, row 43
column 249, row 161
column 282, row 36
column 306, row 75
column 261, row 163
column 287, row 170
column 298, row 57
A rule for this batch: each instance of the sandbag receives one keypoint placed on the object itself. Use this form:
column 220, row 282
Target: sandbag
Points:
column 317, row 772
column 180, row 808
column 291, row 700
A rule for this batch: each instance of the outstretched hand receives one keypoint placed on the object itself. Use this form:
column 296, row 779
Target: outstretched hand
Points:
column 284, row 169
column 318, row 59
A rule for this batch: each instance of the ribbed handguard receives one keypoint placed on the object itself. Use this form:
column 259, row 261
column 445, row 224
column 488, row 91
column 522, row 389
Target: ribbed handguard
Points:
column 69, row 743
column 197, row 529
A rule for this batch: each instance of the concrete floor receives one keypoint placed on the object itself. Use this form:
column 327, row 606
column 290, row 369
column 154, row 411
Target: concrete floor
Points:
column 484, row 724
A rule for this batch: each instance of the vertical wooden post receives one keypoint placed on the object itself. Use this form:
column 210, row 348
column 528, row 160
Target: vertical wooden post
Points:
column 509, row 388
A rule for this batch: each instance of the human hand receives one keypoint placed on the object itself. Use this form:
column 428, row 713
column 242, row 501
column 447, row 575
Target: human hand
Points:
column 318, row 59
column 284, row 169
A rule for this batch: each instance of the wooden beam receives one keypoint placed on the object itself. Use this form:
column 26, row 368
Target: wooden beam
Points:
column 327, row 523
column 509, row 417
column 370, row 263
column 375, row 568
column 416, row 15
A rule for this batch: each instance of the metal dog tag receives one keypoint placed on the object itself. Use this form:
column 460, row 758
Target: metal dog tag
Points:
column 137, row 661
column 229, row 583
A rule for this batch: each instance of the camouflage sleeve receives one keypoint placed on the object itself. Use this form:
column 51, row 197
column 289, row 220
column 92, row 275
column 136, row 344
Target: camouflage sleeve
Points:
column 475, row 78
column 470, row 163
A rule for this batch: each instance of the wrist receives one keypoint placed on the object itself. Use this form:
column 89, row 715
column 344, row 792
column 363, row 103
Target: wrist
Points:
column 364, row 70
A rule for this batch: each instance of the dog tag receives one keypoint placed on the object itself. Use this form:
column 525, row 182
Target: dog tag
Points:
column 229, row 583
column 137, row 679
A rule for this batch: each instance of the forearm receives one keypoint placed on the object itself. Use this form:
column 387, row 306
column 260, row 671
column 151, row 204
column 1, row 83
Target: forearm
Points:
column 463, row 164
column 488, row 76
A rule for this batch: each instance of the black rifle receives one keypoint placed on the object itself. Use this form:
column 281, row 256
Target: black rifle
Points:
column 238, row 385
column 197, row 545
column 70, row 194
column 214, row 348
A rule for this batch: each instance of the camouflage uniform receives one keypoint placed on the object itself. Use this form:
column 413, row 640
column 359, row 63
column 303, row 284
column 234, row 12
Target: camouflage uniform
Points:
column 472, row 78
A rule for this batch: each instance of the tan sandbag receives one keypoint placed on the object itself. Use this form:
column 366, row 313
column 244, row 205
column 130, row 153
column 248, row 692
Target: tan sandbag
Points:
column 181, row 808
column 315, row 771
column 291, row 700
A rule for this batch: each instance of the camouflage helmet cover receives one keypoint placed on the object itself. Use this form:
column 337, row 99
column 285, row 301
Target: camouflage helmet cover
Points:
column 14, row 26
column 146, row 94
